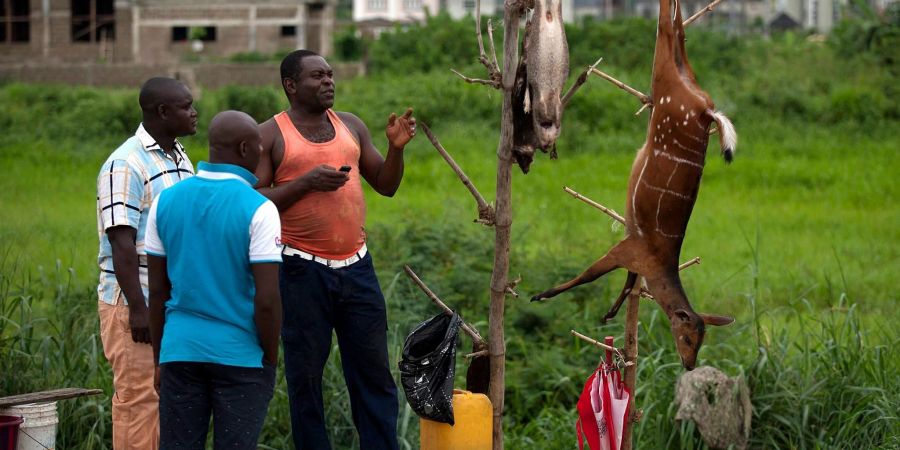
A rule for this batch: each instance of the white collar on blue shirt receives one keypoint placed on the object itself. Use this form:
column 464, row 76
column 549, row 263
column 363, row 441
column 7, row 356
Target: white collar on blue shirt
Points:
column 149, row 142
column 213, row 171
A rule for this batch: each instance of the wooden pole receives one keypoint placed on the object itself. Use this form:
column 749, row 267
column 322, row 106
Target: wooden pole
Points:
column 512, row 12
column 631, row 353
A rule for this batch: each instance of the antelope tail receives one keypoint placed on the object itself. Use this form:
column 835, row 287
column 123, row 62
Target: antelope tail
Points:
column 727, row 135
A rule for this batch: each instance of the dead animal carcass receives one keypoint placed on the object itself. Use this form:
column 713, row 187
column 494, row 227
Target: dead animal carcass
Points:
column 662, row 189
column 542, row 72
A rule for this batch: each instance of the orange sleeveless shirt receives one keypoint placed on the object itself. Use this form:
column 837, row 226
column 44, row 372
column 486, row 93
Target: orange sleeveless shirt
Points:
column 326, row 224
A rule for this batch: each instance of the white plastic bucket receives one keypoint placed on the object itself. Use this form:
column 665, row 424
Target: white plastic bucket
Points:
column 38, row 431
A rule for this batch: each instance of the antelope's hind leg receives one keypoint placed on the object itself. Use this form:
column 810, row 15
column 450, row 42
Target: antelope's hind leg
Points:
column 614, row 309
column 602, row 266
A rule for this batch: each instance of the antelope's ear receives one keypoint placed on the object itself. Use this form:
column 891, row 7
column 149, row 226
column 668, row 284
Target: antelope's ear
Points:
column 682, row 314
column 714, row 320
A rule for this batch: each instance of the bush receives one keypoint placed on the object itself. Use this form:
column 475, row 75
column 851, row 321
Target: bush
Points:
column 348, row 45
column 859, row 104
column 260, row 102
column 867, row 32
column 439, row 44
column 65, row 112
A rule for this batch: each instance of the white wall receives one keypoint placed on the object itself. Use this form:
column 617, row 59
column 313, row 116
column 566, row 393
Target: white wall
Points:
column 393, row 10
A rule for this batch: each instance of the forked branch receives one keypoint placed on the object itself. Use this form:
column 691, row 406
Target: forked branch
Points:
column 471, row 331
column 490, row 64
column 485, row 211
column 703, row 11
column 599, row 344
column 644, row 98
column 491, row 83
column 490, row 31
column 578, row 82
column 606, row 210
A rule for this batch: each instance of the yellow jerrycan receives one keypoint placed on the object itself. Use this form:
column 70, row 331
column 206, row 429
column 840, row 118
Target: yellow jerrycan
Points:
column 472, row 429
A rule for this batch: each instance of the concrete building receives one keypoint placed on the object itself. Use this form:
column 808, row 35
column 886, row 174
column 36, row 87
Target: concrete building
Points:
column 730, row 14
column 159, row 31
column 392, row 11
column 381, row 12
column 734, row 15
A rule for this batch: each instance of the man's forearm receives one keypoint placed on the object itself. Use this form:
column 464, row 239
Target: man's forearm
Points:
column 157, row 321
column 267, row 316
column 391, row 173
column 160, row 292
column 287, row 194
column 126, row 264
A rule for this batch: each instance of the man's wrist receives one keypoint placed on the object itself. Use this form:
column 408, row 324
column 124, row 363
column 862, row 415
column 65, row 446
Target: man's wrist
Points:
column 139, row 304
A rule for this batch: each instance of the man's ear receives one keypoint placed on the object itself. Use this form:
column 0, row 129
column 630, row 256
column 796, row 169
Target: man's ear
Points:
column 162, row 110
column 289, row 85
column 716, row 320
column 243, row 148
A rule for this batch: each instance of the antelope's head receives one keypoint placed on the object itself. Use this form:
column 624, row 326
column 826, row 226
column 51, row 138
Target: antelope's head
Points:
column 688, row 329
column 546, row 111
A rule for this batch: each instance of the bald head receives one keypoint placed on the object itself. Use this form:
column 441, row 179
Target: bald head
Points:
column 168, row 109
column 234, row 139
column 160, row 90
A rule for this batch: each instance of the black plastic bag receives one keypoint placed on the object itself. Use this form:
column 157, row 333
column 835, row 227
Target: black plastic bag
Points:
column 428, row 365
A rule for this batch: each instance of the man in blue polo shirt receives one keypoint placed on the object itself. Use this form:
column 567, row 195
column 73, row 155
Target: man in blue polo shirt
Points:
column 213, row 246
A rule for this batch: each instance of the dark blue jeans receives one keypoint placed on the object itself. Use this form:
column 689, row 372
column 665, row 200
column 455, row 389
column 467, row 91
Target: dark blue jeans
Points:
column 237, row 397
column 316, row 300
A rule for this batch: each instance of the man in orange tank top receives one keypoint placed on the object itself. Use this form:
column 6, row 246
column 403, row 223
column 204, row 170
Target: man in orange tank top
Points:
column 312, row 161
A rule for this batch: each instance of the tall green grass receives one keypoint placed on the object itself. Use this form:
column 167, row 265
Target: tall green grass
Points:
column 824, row 382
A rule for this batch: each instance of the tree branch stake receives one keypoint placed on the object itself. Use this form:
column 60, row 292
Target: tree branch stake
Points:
column 471, row 331
column 578, row 82
column 606, row 210
column 485, row 211
column 493, row 84
column 640, row 95
column 703, row 11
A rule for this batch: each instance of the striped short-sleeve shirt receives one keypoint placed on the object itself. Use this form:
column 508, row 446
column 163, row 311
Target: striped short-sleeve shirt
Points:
column 129, row 180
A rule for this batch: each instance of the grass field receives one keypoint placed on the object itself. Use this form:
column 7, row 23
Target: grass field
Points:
column 799, row 240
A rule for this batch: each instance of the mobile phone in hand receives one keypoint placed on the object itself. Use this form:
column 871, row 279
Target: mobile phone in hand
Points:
column 344, row 168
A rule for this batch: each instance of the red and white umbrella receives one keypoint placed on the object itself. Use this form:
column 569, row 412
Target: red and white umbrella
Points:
column 603, row 407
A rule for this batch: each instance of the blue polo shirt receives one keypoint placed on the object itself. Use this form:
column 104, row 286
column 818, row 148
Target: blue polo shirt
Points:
column 210, row 228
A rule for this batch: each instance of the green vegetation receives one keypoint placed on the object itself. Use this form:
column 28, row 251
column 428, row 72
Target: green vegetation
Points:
column 798, row 236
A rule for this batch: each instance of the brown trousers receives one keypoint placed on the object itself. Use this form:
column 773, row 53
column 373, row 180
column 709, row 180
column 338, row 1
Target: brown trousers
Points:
column 135, row 404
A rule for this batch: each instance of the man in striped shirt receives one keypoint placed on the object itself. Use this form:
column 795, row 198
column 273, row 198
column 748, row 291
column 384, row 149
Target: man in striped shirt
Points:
column 129, row 180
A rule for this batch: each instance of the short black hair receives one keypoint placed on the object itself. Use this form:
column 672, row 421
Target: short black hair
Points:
column 290, row 65
column 158, row 90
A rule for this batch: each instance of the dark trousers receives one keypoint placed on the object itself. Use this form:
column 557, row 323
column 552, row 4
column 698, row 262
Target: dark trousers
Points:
column 316, row 300
column 237, row 397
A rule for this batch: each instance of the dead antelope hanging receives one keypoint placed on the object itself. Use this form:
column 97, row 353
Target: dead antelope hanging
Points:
column 662, row 189
column 542, row 71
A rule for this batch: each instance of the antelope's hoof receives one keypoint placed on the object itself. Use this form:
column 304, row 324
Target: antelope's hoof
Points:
column 537, row 298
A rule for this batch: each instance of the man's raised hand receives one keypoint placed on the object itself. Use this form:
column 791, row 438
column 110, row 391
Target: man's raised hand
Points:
column 400, row 130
